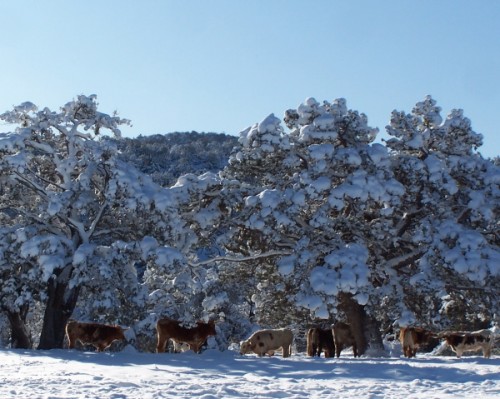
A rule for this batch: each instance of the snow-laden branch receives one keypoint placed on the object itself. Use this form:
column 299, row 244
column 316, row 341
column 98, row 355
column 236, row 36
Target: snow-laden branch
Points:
column 405, row 259
column 38, row 176
column 240, row 259
column 86, row 136
column 31, row 185
column 42, row 147
column 96, row 219
column 450, row 287
column 406, row 220
column 60, row 128
column 37, row 220
column 80, row 228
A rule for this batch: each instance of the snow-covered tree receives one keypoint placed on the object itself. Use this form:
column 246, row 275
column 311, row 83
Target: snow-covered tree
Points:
column 76, row 195
column 20, row 283
column 316, row 190
column 446, row 241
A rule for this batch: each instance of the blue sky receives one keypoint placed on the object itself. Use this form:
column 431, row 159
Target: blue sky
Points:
column 220, row 65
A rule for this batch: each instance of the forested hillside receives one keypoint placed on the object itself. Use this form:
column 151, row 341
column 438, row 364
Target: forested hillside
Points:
column 166, row 157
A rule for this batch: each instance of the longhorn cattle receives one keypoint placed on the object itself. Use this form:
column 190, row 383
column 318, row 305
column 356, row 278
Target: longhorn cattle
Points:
column 195, row 337
column 343, row 338
column 412, row 338
column 265, row 342
column 101, row 336
column 319, row 340
column 461, row 342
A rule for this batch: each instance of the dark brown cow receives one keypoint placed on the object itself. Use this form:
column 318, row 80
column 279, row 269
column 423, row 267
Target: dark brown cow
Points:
column 101, row 336
column 412, row 338
column 343, row 338
column 319, row 340
column 461, row 342
column 195, row 337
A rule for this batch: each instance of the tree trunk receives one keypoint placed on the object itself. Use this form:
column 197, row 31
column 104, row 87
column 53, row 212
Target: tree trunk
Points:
column 60, row 305
column 364, row 328
column 20, row 335
column 373, row 336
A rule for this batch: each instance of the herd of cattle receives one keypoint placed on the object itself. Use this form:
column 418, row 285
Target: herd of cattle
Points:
column 266, row 342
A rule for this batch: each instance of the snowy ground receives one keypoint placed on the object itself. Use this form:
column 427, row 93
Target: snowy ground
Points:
column 128, row 374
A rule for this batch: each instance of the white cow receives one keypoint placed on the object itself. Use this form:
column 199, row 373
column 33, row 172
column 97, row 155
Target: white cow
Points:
column 264, row 342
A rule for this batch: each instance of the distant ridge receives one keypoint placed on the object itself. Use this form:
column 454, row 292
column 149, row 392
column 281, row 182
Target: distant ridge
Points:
column 165, row 157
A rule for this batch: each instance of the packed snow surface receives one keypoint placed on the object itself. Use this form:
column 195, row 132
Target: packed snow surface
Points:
column 213, row 374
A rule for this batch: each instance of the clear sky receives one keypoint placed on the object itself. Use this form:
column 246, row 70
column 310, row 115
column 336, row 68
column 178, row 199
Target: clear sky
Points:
column 222, row 65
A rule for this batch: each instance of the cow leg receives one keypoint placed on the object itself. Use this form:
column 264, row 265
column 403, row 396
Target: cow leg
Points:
column 162, row 342
column 487, row 352
column 310, row 350
column 286, row 351
column 71, row 342
column 355, row 350
column 338, row 349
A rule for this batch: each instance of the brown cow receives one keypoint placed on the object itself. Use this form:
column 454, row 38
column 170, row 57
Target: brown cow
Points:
column 265, row 342
column 101, row 336
column 461, row 342
column 195, row 337
column 343, row 338
column 319, row 339
column 412, row 338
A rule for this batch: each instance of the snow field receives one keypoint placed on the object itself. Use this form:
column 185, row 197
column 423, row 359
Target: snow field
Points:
column 61, row 374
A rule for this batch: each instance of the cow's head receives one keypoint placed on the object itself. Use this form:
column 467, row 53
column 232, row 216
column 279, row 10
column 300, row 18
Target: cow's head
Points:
column 119, row 333
column 445, row 334
column 211, row 327
column 246, row 347
column 208, row 328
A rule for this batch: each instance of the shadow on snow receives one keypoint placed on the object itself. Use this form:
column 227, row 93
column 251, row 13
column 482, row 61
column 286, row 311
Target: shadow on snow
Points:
column 233, row 365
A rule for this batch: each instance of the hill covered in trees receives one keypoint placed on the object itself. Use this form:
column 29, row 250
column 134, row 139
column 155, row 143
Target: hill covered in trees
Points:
column 166, row 157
